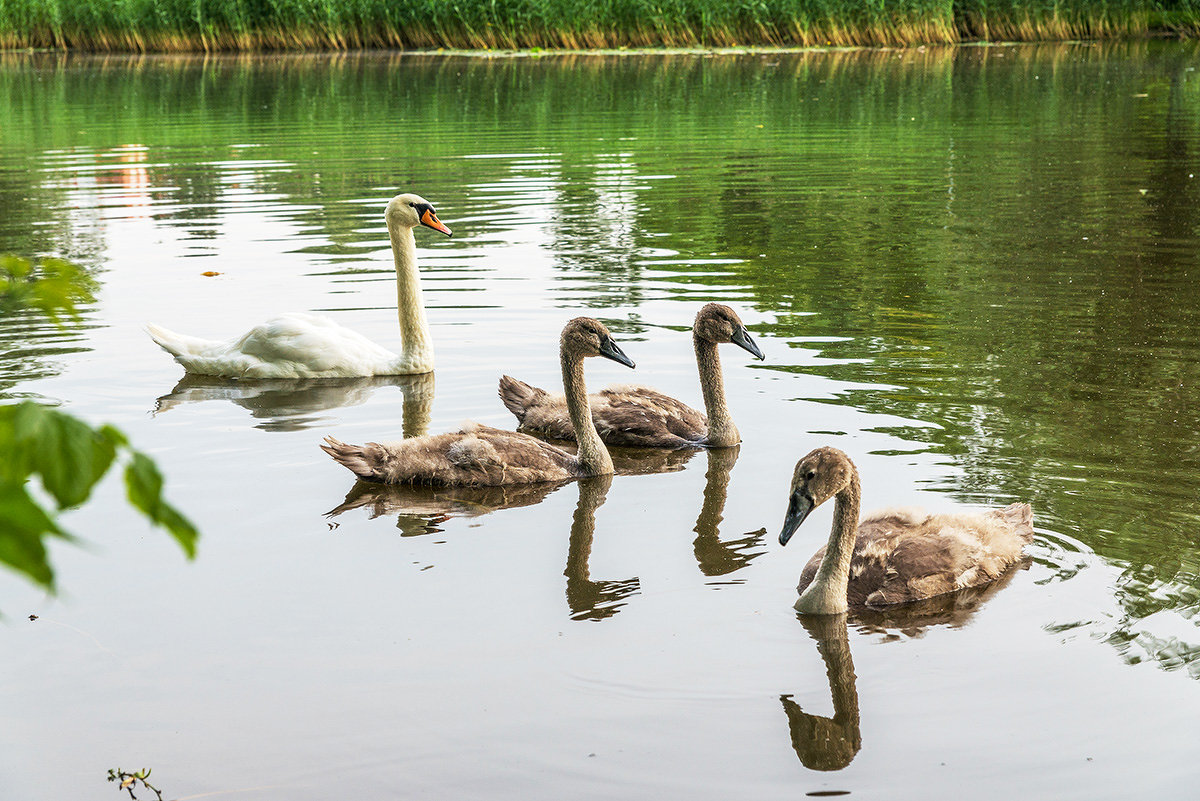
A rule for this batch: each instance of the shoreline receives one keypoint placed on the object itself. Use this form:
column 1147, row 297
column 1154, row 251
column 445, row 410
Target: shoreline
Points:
column 540, row 52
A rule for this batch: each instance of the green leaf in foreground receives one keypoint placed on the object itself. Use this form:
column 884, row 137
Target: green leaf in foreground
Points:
column 53, row 287
column 66, row 453
column 143, row 483
column 23, row 525
column 68, row 457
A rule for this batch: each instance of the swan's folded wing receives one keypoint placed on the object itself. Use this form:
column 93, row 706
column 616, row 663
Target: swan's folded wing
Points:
column 642, row 416
column 497, row 456
column 537, row 410
column 308, row 345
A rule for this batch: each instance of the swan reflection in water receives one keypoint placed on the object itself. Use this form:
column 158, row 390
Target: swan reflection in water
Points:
column 831, row 743
column 295, row 404
column 421, row 509
column 588, row 598
column 714, row 556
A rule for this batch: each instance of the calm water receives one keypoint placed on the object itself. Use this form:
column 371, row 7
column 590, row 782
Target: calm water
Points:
column 977, row 271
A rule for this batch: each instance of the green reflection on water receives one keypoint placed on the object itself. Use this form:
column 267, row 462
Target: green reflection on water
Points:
column 998, row 244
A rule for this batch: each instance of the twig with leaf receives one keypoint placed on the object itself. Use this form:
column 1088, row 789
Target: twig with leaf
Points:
column 130, row 780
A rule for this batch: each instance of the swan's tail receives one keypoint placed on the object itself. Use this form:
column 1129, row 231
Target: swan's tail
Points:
column 178, row 345
column 518, row 396
column 1020, row 517
column 364, row 461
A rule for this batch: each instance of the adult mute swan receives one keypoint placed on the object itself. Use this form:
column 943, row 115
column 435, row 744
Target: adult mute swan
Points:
column 893, row 556
column 300, row 345
column 643, row 417
column 481, row 456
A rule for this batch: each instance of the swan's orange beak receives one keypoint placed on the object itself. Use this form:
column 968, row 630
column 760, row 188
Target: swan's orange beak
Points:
column 430, row 219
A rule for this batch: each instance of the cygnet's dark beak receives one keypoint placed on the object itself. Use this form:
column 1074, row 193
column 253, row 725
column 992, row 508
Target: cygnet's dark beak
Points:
column 798, row 508
column 609, row 350
column 741, row 338
column 430, row 219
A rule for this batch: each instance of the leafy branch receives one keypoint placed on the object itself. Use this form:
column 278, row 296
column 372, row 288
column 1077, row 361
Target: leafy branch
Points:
column 68, row 456
column 53, row 287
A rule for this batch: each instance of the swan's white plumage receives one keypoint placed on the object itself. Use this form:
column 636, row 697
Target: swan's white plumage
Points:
column 293, row 345
column 300, row 345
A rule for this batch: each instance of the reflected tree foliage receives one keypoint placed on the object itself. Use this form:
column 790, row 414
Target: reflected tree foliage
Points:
column 998, row 244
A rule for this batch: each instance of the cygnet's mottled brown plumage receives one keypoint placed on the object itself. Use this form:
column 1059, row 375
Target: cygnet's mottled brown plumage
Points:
column 894, row 556
column 636, row 416
column 483, row 456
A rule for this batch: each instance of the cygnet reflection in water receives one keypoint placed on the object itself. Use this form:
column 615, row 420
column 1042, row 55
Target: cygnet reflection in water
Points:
column 295, row 404
column 588, row 598
column 421, row 509
column 714, row 556
column 953, row 610
column 824, row 743
column 831, row 743
column 645, row 461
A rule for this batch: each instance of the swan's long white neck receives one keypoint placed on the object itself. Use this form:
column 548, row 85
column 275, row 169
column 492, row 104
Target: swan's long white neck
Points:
column 827, row 593
column 594, row 459
column 416, row 345
column 722, row 433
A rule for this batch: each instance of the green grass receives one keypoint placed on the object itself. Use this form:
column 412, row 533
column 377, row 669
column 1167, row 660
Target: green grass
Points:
column 166, row 25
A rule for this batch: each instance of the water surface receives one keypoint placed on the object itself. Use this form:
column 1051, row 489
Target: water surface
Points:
column 975, row 270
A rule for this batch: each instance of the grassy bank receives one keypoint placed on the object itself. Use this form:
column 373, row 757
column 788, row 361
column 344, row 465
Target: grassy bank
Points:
column 180, row 25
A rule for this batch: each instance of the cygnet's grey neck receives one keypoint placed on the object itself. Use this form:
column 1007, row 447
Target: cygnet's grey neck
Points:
column 827, row 592
column 593, row 456
column 721, row 430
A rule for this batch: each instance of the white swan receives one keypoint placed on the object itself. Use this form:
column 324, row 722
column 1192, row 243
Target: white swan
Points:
column 299, row 345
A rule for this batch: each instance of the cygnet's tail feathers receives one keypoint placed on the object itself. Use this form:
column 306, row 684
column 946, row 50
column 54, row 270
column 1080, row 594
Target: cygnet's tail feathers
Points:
column 364, row 461
column 1020, row 517
column 518, row 396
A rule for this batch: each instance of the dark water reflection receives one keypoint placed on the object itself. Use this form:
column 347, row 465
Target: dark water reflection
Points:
column 589, row 598
column 973, row 269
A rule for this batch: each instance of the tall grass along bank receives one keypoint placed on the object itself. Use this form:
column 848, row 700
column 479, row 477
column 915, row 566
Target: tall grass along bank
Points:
column 180, row 25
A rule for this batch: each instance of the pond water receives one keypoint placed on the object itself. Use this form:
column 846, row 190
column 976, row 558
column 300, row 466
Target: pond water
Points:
column 975, row 270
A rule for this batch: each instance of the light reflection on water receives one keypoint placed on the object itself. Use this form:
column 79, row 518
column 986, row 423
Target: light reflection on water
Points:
column 949, row 278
